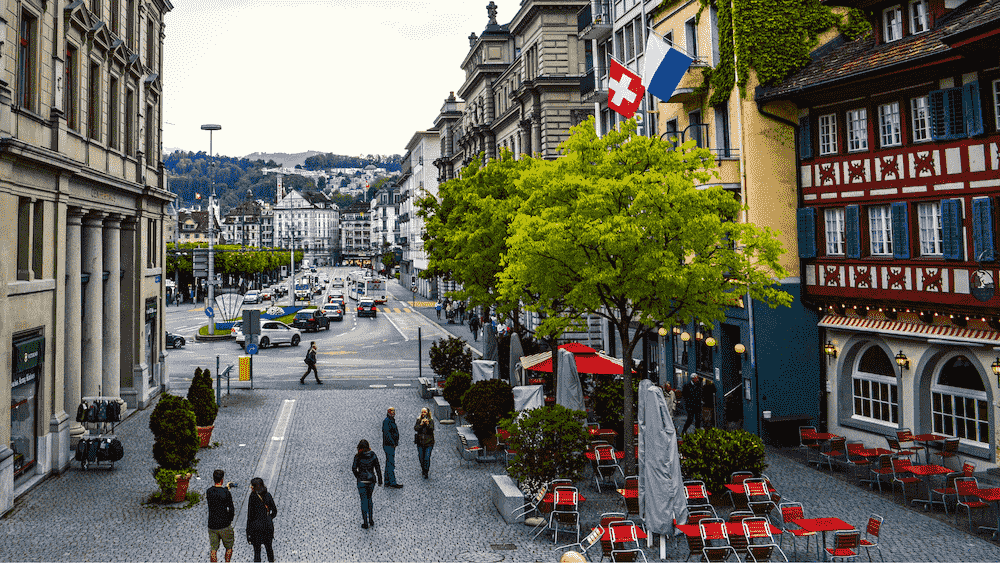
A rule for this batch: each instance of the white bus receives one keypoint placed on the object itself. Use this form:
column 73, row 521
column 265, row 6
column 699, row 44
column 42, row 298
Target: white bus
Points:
column 368, row 288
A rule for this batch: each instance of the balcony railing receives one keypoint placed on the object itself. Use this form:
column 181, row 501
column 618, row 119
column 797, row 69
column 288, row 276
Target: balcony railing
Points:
column 594, row 21
column 593, row 86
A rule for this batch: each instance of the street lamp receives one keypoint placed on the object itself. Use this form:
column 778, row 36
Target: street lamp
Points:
column 211, row 128
column 903, row 362
column 830, row 349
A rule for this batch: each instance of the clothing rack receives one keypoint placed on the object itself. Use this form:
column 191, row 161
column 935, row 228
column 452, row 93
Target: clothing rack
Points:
column 99, row 416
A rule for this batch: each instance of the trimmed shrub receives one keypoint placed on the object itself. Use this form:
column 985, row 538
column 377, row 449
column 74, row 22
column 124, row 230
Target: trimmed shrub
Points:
column 455, row 386
column 202, row 398
column 713, row 454
column 450, row 354
column 485, row 403
column 550, row 443
column 175, row 433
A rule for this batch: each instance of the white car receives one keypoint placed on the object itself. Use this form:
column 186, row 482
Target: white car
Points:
column 252, row 297
column 272, row 333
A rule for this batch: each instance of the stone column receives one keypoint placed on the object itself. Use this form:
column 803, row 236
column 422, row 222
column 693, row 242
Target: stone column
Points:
column 73, row 321
column 111, row 371
column 536, row 135
column 92, row 328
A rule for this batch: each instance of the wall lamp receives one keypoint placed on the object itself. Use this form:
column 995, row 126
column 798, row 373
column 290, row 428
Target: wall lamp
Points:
column 685, row 336
column 902, row 361
column 740, row 348
column 710, row 342
column 830, row 349
column 662, row 331
column 996, row 369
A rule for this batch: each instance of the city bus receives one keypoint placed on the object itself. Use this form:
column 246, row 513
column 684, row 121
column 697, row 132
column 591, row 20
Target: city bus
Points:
column 368, row 288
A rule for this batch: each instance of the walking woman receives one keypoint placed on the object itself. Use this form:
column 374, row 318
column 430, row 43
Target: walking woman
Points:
column 424, row 439
column 366, row 469
column 260, row 511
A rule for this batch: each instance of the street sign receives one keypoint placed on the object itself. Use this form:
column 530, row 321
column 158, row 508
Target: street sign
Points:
column 251, row 349
column 209, row 312
column 199, row 262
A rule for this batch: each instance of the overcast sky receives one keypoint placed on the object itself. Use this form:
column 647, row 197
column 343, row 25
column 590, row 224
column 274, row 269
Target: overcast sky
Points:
column 343, row 76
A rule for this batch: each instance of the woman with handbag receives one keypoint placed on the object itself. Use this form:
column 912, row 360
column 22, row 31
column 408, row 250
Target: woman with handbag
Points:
column 260, row 513
column 424, row 439
column 367, row 471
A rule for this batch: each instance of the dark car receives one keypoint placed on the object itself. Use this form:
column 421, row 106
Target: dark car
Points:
column 366, row 308
column 310, row 320
column 175, row 340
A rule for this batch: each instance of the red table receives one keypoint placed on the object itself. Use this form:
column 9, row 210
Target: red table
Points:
column 926, row 440
column 874, row 452
column 605, row 433
column 823, row 525
column 991, row 495
column 926, row 471
column 732, row 528
column 640, row 534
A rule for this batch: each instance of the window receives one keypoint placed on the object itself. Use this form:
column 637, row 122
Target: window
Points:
column 694, row 126
column 94, row 102
column 620, row 44
column 892, row 24
column 827, row 134
column 959, row 404
column 714, row 27
column 629, row 42
column 670, row 130
column 880, row 229
column 857, row 130
column 640, row 45
column 996, row 103
column 722, row 142
column 888, row 120
column 113, row 113
column 691, row 38
column 150, row 147
column 150, row 45
column 918, row 17
column 27, row 66
column 130, row 118
column 24, row 209
column 875, row 391
column 834, row 221
column 71, row 88
column 955, row 113
column 130, row 23
column 929, row 216
column 920, row 117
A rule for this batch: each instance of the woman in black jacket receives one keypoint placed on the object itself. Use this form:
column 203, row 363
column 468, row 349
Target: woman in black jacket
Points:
column 367, row 471
column 260, row 511
column 424, row 439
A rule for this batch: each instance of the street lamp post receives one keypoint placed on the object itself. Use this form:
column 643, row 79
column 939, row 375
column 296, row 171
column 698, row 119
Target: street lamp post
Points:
column 211, row 127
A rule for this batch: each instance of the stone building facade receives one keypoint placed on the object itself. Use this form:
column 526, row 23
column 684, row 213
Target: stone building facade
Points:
column 83, row 198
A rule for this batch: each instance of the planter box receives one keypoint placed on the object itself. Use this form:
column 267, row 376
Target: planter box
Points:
column 507, row 498
column 205, row 435
column 442, row 410
column 180, row 493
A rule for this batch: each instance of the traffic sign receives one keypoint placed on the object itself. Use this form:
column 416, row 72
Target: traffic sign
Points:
column 251, row 349
column 209, row 312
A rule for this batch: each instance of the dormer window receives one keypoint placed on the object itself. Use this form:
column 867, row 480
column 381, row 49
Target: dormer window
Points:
column 892, row 24
column 918, row 17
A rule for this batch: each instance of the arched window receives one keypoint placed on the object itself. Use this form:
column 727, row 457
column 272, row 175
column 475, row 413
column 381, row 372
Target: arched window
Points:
column 959, row 406
column 875, row 392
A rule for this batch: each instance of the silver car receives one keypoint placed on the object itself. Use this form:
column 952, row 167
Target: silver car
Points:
column 272, row 333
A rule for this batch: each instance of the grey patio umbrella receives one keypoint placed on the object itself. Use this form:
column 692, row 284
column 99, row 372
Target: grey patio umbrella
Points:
column 661, row 486
column 516, row 351
column 569, row 393
column 491, row 350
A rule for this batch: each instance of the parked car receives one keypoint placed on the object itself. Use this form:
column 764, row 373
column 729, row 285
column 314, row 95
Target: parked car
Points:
column 272, row 333
column 310, row 320
column 333, row 312
column 175, row 340
column 366, row 308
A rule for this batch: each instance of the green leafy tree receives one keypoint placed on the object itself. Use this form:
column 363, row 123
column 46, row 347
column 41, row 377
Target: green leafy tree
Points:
column 449, row 355
column 175, row 433
column 550, row 443
column 616, row 228
column 485, row 403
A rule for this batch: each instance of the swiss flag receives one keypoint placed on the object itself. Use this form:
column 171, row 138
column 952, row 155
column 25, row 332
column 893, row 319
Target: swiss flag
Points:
column 625, row 90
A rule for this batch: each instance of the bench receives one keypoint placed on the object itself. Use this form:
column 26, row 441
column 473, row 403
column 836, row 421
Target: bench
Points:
column 426, row 386
column 507, row 498
column 442, row 410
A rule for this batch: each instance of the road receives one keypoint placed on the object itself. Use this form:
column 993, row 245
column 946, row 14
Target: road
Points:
column 353, row 353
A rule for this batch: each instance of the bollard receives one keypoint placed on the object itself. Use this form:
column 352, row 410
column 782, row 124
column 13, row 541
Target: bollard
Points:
column 218, row 383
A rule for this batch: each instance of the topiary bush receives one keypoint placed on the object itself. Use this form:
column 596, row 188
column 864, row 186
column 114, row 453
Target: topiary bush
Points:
column 450, row 354
column 455, row 386
column 485, row 403
column 202, row 398
column 713, row 454
column 175, row 433
column 550, row 443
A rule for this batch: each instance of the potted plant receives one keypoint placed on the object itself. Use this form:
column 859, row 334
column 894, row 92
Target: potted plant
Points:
column 713, row 454
column 485, row 403
column 202, row 398
column 550, row 443
column 448, row 355
column 454, row 387
column 175, row 444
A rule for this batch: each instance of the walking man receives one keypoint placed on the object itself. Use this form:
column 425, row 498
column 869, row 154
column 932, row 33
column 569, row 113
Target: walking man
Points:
column 474, row 326
column 437, row 307
column 220, row 516
column 310, row 365
column 691, row 394
column 390, row 439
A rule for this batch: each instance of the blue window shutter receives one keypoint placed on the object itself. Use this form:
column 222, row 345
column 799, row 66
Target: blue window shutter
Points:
column 900, row 231
column 982, row 229
column 805, row 138
column 937, row 108
column 951, row 228
column 972, row 109
column 807, row 232
column 852, row 237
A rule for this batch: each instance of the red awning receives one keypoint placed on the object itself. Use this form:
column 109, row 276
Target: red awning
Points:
column 588, row 360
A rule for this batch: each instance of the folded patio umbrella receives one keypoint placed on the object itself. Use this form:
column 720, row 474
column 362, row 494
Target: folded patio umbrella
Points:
column 516, row 351
column 569, row 393
column 661, row 486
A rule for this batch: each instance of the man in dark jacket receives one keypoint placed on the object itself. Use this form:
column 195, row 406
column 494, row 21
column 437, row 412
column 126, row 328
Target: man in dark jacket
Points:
column 390, row 439
column 691, row 394
column 220, row 516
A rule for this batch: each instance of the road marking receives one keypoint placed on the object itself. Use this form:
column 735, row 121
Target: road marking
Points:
column 400, row 384
column 395, row 326
column 377, row 386
column 274, row 451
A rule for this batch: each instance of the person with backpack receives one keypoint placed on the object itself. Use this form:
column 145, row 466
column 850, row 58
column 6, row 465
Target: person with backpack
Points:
column 311, row 364
column 261, row 511
column 474, row 326
column 220, row 516
column 367, row 471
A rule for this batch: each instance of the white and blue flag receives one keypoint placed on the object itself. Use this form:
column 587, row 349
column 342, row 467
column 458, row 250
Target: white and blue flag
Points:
column 663, row 67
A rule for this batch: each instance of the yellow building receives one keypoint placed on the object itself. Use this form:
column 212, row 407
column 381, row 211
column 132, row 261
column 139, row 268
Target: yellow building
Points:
column 83, row 203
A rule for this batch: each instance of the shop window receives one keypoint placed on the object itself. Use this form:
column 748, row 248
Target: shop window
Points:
column 959, row 404
column 29, row 361
column 874, row 388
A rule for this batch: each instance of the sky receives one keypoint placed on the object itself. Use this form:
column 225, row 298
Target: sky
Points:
column 348, row 77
